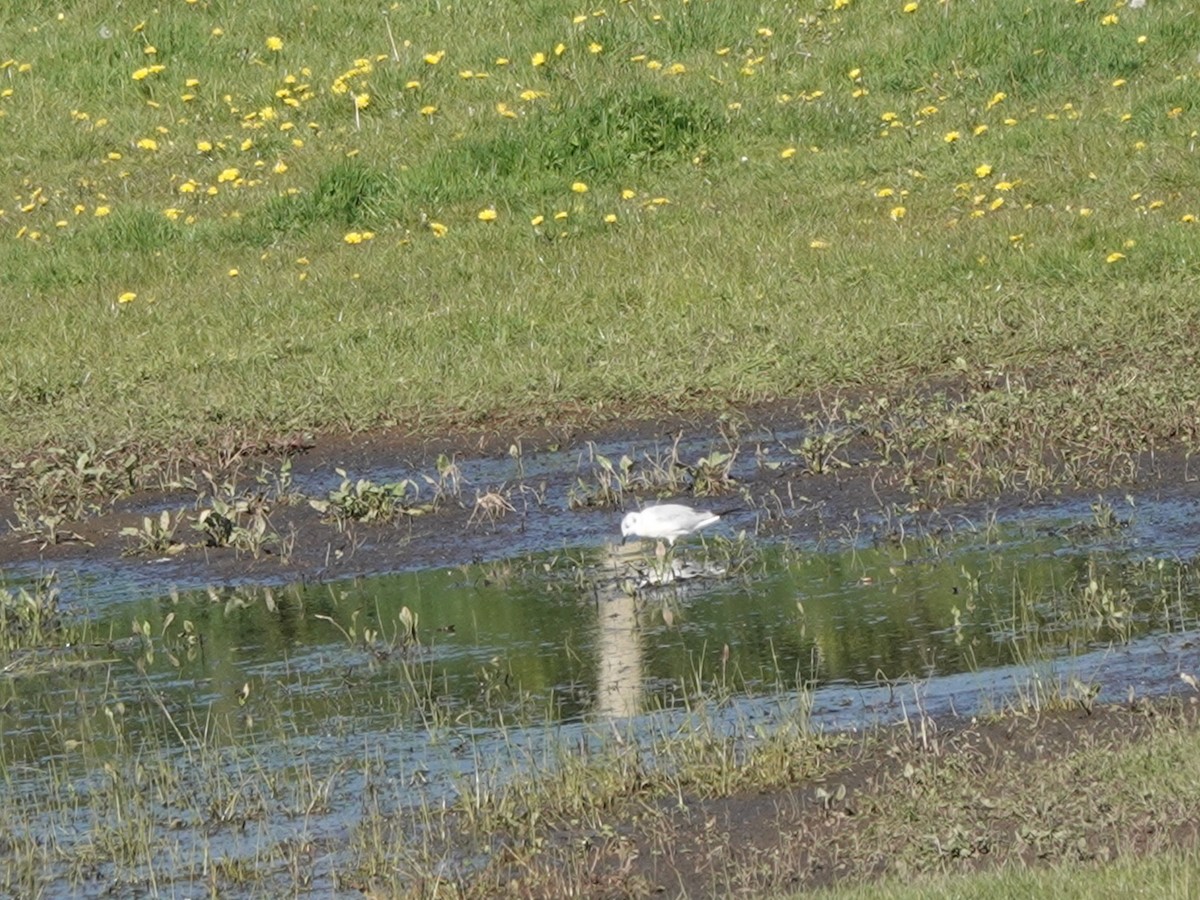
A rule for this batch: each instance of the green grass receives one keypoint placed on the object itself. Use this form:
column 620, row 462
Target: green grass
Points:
column 1167, row 875
column 876, row 254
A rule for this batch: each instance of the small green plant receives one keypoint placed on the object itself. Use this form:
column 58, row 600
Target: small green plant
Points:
column 365, row 501
column 242, row 523
column 711, row 474
column 155, row 535
column 819, row 451
column 611, row 482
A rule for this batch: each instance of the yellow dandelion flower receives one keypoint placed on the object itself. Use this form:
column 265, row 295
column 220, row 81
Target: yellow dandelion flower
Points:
column 898, row 213
column 126, row 297
column 996, row 204
column 819, row 244
column 579, row 187
column 561, row 215
column 951, row 136
column 530, row 94
column 274, row 44
column 884, row 192
column 438, row 229
column 538, row 59
column 148, row 144
column 787, row 152
column 486, row 215
column 983, row 171
column 1187, row 218
column 230, row 174
column 140, row 74
column 280, row 167
column 204, row 146
column 362, row 101
column 101, row 211
column 854, row 74
column 1114, row 257
column 172, row 213
column 1110, row 19
column 218, row 31
column 998, row 97
column 352, row 237
column 537, row 220
column 433, row 59
column 428, row 110
column 502, row 109
column 628, row 194
column 911, row 7
column 560, row 48
column 610, row 219
column 594, row 48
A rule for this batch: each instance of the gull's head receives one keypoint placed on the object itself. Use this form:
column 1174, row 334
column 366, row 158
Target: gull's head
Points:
column 628, row 525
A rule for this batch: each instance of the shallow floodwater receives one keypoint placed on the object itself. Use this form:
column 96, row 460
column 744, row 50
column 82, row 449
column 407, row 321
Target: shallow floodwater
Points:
column 418, row 686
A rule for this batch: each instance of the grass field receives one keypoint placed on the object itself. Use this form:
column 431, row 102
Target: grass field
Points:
column 243, row 218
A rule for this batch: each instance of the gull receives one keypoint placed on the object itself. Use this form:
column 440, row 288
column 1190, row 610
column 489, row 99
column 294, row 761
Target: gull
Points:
column 667, row 521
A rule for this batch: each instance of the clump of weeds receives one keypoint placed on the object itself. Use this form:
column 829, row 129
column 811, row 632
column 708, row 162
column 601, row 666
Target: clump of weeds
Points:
column 365, row 501
column 30, row 616
column 60, row 485
column 156, row 535
column 242, row 523
column 662, row 474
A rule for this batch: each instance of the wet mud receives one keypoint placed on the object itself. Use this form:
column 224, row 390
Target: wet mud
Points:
column 544, row 478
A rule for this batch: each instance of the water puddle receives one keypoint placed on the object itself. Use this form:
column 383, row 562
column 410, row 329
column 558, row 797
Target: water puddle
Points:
column 271, row 717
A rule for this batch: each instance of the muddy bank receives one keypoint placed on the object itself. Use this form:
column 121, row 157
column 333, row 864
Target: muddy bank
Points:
column 513, row 492
column 926, row 799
